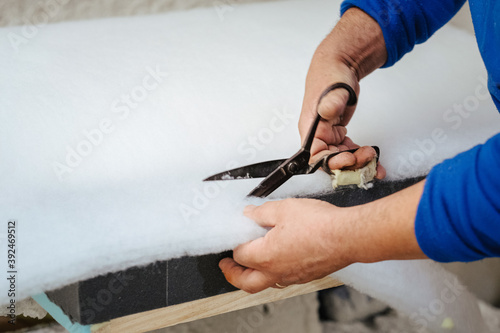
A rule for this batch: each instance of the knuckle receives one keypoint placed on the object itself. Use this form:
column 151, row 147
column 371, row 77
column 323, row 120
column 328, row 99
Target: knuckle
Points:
column 266, row 261
column 235, row 270
column 266, row 205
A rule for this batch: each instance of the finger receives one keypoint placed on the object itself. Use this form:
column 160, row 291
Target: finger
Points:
column 252, row 254
column 349, row 143
column 330, row 141
column 319, row 155
column 326, row 141
column 325, row 127
column 247, row 279
column 333, row 148
column 348, row 113
column 332, row 106
column 363, row 156
column 317, row 148
column 332, row 134
column 381, row 173
column 264, row 215
column 342, row 161
column 249, row 212
column 359, row 159
column 343, row 147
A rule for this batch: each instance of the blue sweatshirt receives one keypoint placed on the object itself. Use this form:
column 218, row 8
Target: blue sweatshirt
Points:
column 458, row 218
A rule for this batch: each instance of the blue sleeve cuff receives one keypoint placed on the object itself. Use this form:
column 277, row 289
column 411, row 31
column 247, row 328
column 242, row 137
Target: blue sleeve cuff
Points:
column 458, row 218
column 405, row 23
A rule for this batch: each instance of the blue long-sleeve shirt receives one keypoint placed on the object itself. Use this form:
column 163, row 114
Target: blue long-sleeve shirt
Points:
column 458, row 217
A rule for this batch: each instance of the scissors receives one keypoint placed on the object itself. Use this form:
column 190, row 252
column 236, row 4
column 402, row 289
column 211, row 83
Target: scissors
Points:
column 277, row 172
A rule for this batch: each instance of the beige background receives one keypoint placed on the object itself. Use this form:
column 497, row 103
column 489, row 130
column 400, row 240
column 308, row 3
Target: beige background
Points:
column 18, row 12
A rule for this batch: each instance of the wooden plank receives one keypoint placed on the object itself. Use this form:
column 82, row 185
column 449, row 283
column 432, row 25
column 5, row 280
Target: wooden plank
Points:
column 207, row 307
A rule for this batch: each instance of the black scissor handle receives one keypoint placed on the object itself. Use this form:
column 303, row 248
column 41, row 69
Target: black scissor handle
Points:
column 299, row 163
column 323, row 162
column 353, row 99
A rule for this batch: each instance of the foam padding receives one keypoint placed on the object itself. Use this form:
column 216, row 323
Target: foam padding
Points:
column 175, row 281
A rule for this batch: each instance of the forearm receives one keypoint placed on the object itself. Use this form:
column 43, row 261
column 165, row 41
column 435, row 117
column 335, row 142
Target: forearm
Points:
column 353, row 49
column 385, row 229
column 356, row 41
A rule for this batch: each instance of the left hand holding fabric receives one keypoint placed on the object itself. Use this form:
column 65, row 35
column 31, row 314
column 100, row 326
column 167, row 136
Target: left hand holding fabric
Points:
column 309, row 239
column 299, row 247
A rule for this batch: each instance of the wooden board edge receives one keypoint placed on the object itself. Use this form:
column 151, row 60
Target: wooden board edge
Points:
column 206, row 307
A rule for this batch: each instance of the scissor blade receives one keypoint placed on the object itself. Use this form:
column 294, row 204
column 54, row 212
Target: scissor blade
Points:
column 257, row 170
column 272, row 182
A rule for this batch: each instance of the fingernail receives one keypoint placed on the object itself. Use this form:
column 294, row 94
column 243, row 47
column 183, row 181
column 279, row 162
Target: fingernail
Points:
column 248, row 209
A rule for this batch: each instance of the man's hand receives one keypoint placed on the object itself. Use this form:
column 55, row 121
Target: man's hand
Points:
column 309, row 239
column 353, row 49
column 299, row 248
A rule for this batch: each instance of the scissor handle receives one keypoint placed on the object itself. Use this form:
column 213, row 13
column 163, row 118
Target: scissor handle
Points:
column 323, row 162
column 312, row 130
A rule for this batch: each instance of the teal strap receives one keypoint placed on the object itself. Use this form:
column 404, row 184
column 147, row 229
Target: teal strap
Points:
column 58, row 314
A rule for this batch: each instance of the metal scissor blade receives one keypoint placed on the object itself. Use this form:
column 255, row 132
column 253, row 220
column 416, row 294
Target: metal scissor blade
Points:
column 257, row 170
column 295, row 165
column 268, row 185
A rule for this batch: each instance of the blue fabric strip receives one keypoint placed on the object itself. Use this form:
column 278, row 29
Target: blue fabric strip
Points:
column 458, row 218
column 405, row 23
column 56, row 312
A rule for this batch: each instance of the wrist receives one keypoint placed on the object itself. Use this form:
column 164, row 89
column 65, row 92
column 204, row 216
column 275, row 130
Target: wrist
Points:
column 341, row 235
column 385, row 229
column 356, row 41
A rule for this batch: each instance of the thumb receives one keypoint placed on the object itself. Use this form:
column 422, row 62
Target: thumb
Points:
column 252, row 253
column 265, row 215
column 247, row 279
column 332, row 106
